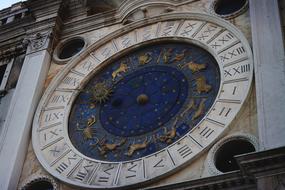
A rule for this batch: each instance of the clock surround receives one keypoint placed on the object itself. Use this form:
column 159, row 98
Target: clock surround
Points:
column 57, row 154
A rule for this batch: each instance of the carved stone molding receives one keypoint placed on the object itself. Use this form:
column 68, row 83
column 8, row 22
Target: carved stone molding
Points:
column 37, row 42
column 12, row 51
column 263, row 163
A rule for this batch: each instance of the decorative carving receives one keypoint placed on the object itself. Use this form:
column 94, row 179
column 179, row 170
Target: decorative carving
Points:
column 200, row 109
column 88, row 131
column 190, row 106
column 135, row 147
column 104, row 147
column 180, row 57
column 165, row 54
column 168, row 135
column 202, row 85
column 145, row 58
column 122, row 69
column 194, row 67
column 101, row 93
column 38, row 41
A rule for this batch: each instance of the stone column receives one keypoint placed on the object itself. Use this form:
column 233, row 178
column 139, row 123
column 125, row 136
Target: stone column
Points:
column 268, row 49
column 21, row 111
column 269, row 65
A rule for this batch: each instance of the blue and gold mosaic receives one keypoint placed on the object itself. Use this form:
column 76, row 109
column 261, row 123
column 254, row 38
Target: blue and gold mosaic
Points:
column 143, row 101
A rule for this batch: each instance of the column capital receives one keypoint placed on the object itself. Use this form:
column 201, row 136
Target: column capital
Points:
column 38, row 41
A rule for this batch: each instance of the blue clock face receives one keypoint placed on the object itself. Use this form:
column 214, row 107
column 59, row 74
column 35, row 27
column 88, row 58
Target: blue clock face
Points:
column 143, row 101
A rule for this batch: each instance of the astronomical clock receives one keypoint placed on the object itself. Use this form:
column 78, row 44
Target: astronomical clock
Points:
column 142, row 102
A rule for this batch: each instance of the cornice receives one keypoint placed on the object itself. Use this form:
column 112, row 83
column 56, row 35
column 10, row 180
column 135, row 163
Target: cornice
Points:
column 263, row 163
column 12, row 34
column 120, row 15
column 230, row 180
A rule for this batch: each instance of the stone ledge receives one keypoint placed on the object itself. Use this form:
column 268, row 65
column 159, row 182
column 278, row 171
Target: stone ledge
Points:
column 263, row 163
column 232, row 180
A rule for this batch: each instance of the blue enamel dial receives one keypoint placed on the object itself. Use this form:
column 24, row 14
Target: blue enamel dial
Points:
column 144, row 101
column 149, row 97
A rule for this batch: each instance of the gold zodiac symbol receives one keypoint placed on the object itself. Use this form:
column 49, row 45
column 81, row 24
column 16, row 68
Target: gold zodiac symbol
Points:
column 180, row 57
column 101, row 92
column 135, row 147
column 104, row 147
column 168, row 135
column 88, row 131
column 194, row 67
column 202, row 85
column 190, row 106
column 165, row 54
column 122, row 69
column 145, row 58
column 200, row 109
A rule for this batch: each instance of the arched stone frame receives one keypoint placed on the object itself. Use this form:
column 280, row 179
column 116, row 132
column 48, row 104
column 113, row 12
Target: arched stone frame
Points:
column 36, row 178
column 228, row 16
column 180, row 18
column 210, row 160
column 61, row 44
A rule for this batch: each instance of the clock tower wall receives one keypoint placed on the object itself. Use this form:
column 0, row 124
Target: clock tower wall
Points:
column 82, row 28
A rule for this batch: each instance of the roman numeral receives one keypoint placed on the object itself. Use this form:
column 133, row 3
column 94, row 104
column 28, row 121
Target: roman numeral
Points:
column 225, row 111
column 210, row 29
column 106, row 178
column 240, row 50
column 184, row 151
column 245, row 68
column 106, row 52
column 237, row 70
column 206, row 132
column 126, row 41
column 146, row 33
column 61, row 167
column 146, row 36
column 202, row 37
column 215, row 45
column 70, row 81
column 54, row 151
column 50, row 134
column 107, row 170
column 132, row 171
column 169, row 26
column 234, row 90
column 84, row 171
column 188, row 29
column 59, row 98
column 52, row 116
column 233, row 53
column 80, row 175
column 224, row 57
column 226, row 38
column 65, row 164
column 159, row 164
column 103, row 179
column 88, row 65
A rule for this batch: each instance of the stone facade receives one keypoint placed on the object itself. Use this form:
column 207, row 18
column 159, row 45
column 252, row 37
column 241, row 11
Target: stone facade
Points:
column 36, row 29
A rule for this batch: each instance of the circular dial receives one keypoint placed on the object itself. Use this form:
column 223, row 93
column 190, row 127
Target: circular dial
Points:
column 142, row 102
column 163, row 92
